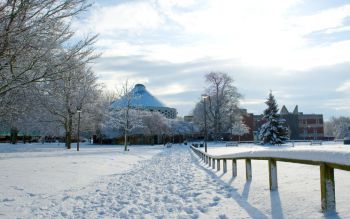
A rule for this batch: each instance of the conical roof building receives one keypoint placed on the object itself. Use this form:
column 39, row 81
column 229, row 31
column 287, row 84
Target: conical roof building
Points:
column 140, row 98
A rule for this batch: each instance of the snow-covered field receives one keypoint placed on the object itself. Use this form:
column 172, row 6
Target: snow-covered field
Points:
column 32, row 176
column 47, row 181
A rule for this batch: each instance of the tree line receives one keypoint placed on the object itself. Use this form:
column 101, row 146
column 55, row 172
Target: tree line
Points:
column 225, row 116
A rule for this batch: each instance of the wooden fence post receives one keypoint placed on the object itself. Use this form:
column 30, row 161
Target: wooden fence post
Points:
column 213, row 163
column 224, row 163
column 273, row 174
column 327, row 188
column 248, row 169
column 218, row 165
column 234, row 167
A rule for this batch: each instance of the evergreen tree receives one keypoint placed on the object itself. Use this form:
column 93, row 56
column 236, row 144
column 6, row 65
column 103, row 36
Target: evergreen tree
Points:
column 272, row 131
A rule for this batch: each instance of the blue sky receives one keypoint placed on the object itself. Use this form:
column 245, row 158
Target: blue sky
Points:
column 298, row 49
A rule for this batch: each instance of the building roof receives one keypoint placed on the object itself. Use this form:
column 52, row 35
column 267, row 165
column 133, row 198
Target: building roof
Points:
column 140, row 97
column 284, row 110
column 296, row 110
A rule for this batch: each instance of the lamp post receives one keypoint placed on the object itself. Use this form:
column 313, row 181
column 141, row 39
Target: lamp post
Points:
column 78, row 111
column 204, row 97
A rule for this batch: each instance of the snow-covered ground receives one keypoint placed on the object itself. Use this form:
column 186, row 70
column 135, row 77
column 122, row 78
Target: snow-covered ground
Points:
column 40, row 173
column 46, row 181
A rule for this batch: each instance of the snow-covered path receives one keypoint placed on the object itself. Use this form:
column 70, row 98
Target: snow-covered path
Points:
column 171, row 185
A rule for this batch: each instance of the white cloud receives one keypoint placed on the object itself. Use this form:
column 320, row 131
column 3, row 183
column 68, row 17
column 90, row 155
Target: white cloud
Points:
column 247, row 102
column 260, row 33
column 338, row 30
column 135, row 16
column 344, row 87
column 173, row 88
column 114, row 79
column 257, row 33
column 114, row 48
column 321, row 21
column 339, row 104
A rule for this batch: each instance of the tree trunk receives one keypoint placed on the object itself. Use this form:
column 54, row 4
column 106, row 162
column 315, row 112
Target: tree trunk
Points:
column 69, row 128
column 125, row 141
column 217, row 114
column 126, row 129
column 14, row 133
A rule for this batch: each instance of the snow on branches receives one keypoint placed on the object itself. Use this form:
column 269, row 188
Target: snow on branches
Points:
column 273, row 130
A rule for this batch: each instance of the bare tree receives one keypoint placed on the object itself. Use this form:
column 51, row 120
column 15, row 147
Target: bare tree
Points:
column 32, row 35
column 328, row 129
column 338, row 127
column 125, row 120
column 35, row 46
column 77, row 89
column 126, row 116
column 239, row 128
column 180, row 127
column 155, row 124
column 222, row 104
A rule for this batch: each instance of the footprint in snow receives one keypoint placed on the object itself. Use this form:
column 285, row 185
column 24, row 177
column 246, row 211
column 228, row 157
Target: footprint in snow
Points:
column 188, row 210
column 8, row 200
column 31, row 194
column 79, row 198
column 17, row 188
column 222, row 217
column 195, row 194
column 215, row 202
column 65, row 198
column 216, row 199
column 101, row 213
column 202, row 209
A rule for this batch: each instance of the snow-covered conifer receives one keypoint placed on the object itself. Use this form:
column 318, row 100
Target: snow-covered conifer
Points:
column 272, row 131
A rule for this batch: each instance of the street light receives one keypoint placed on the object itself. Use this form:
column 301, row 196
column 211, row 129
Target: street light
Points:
column 204, row 97
column 78, row 111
